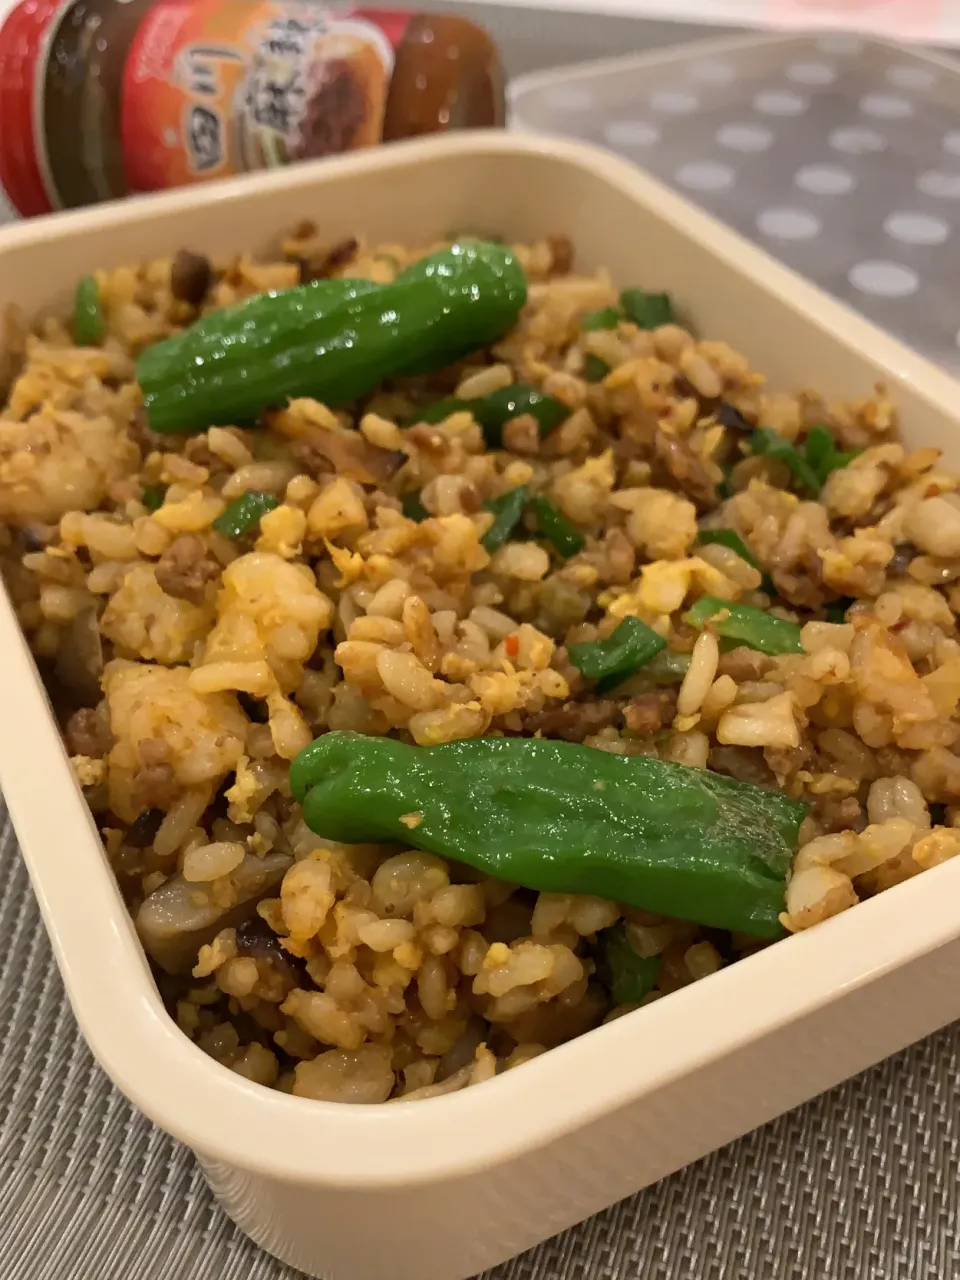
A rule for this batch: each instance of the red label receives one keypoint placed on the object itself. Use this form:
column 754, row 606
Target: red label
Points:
column 218, row 87
column 24, row 40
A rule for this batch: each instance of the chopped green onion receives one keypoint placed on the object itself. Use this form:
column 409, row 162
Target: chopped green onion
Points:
column 770, row 444
column 630, row 646
column 605, row 318
column 153, row 496
column 646, row 310
column 413, row 507
column 441, row 410
column 739, row 622
column 820, row 450
column 668, row 667
column 819, row 447
column 245, row 513
column 594, row 369
column 728, row 538
column 494, row 411
column 836, row 610
column 88, row 323
column 665, row 669
column 510, row 402
column 630, row 977
column 564, row 537
column 507, row 512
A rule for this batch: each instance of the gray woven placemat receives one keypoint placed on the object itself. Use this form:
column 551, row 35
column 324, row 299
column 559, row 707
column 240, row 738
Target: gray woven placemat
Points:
column 860, row 1185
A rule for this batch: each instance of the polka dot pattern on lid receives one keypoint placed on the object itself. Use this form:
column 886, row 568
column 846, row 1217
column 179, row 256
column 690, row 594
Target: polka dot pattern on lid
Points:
column 674, row 102
column 818, row 73
column 631, row 133
column 935, row 182
column 884, row 279
column 838, row 155
column 916, row 228
column 909, row 76
column 788, row 224
column 886, row 106
column 776, row 102
column 745, row 137
column 705, row 175
column 825, row 180
column 857, row 141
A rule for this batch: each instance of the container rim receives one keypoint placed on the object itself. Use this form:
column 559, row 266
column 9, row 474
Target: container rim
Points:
column 229, row 1119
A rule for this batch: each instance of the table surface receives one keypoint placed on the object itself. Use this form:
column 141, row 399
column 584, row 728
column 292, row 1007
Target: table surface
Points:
column 861, row 1184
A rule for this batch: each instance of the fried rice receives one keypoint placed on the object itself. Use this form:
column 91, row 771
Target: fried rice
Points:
column 189, row 669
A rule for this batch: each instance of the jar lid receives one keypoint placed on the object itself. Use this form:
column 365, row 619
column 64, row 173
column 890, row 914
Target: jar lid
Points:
column 447, row 75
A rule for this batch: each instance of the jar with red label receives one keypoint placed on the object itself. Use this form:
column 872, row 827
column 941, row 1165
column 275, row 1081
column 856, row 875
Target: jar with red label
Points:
column 103, row 98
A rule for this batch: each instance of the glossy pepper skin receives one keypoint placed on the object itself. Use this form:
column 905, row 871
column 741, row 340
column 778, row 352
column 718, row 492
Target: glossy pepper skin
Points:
column 331, row 339
column 564, row 818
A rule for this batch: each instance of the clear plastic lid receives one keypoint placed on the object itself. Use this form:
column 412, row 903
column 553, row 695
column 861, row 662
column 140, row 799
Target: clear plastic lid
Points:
column 839, row 155
column 927, row 21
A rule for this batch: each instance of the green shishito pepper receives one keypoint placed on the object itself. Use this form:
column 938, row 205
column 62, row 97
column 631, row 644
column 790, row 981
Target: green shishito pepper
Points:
column 88, row 323
column 630, row 977
column 245, row 513
column 333, row 340
column 630, row 646
column 751, row 627
column 493, row 412
column 563, row 818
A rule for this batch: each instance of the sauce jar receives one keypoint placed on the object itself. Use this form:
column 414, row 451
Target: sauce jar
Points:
column 104, row 98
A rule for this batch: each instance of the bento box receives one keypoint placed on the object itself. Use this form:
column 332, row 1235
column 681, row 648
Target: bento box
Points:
column 446, row 1188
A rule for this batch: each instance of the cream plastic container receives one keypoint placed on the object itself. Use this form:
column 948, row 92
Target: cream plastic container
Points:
column 440, row 1190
